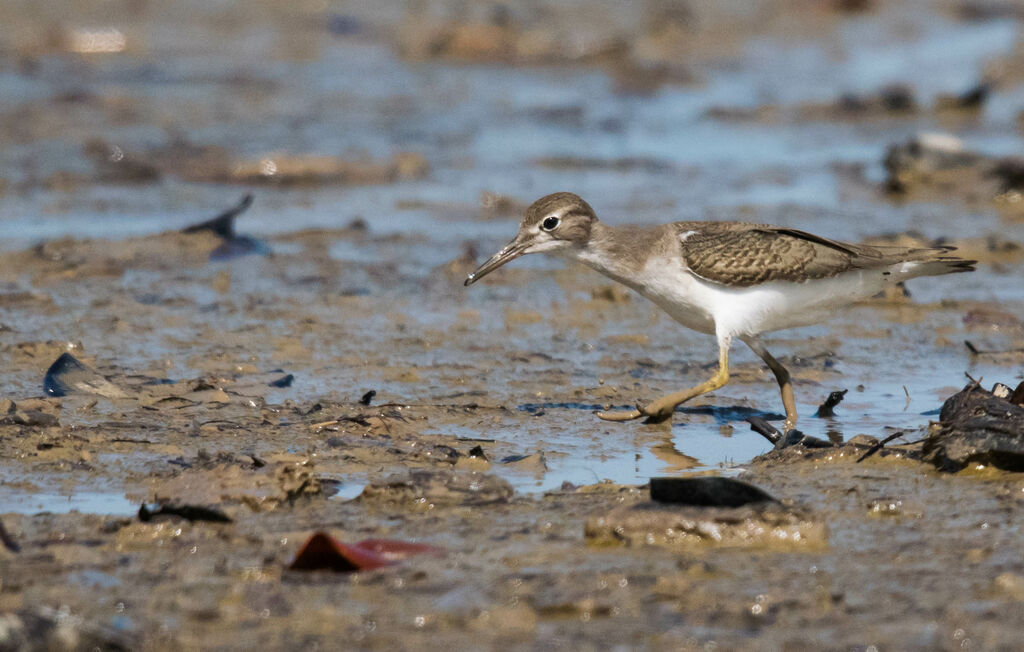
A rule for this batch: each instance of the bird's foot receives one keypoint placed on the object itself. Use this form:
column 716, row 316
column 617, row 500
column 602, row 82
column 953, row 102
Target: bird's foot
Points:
column 650, row 413
column 657, row 411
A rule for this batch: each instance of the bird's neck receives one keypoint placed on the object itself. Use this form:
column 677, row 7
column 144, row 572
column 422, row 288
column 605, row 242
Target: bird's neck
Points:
column 619, row 253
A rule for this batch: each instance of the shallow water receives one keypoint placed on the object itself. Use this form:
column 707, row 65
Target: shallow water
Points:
column 77, row 499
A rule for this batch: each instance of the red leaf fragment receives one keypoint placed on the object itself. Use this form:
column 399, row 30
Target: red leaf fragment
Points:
column 323, row 552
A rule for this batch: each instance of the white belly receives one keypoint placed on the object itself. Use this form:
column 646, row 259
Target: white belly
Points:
column 709, row 307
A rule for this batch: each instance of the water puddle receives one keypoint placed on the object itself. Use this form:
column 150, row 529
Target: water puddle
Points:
column 20, row 501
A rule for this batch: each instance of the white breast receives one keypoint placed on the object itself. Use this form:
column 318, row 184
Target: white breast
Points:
column 687, row 299
column 710, row 307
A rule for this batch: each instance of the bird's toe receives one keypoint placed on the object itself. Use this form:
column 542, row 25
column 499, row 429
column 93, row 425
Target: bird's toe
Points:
column 655, row 413
column 623, row 415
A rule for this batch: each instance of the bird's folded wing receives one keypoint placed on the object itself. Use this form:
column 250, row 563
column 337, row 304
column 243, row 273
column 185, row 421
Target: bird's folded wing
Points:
column 758, row 254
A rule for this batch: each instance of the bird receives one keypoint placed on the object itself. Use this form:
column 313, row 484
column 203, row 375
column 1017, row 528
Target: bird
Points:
column 732, row 280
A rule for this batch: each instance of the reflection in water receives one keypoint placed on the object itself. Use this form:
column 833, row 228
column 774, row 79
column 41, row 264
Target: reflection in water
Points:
column 675, row 461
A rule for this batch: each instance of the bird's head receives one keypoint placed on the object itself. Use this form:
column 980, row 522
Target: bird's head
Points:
column 555, row 223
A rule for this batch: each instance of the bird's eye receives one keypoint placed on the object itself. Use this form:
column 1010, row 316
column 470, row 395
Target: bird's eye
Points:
column 550, row 223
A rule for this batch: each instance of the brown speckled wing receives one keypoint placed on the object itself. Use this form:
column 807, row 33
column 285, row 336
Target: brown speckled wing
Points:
column 742, row 255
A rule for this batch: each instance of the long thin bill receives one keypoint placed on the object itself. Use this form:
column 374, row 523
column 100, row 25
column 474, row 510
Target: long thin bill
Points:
column 511, row 251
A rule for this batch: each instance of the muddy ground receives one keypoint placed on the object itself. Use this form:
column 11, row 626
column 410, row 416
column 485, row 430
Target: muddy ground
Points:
column 389, row 148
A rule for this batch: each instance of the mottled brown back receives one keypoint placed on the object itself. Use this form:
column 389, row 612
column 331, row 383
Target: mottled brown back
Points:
column 740, row 254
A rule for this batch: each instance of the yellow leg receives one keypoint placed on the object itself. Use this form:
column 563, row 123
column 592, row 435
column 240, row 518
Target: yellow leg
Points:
column 662, row 408
column 782, row 377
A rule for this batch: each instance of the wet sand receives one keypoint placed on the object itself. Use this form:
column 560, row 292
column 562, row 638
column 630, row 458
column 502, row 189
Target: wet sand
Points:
column 385, row 161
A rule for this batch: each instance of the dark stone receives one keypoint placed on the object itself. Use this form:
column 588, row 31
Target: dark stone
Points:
column 223, row 225
column 974, row 97
column 897, row 97
column 1010, row 172
column 68, row 375
column 1017, row 398
column 54, row 383
column 826, row 409
column 283, row 381
column 478, row 451
column 711, row 491
column 188, row 512
column 977, row 427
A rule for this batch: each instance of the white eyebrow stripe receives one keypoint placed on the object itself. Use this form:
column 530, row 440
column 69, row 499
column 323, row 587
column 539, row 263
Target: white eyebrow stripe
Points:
column 687, row 234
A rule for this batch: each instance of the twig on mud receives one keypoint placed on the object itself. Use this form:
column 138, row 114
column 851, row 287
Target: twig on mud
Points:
column 765, row 429
column 323, row 424
column 877, row 447
column 976, row 351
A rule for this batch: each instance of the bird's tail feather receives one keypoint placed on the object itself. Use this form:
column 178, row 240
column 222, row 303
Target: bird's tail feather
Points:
column 934, row 262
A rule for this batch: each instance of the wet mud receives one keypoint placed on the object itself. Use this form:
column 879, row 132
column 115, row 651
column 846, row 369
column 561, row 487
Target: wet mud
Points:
column 247, row 400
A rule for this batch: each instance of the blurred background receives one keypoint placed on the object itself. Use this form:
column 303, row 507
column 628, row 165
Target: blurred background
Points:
column 128, row 117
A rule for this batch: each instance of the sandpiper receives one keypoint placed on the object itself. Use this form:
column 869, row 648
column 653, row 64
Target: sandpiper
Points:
column 733, row 280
